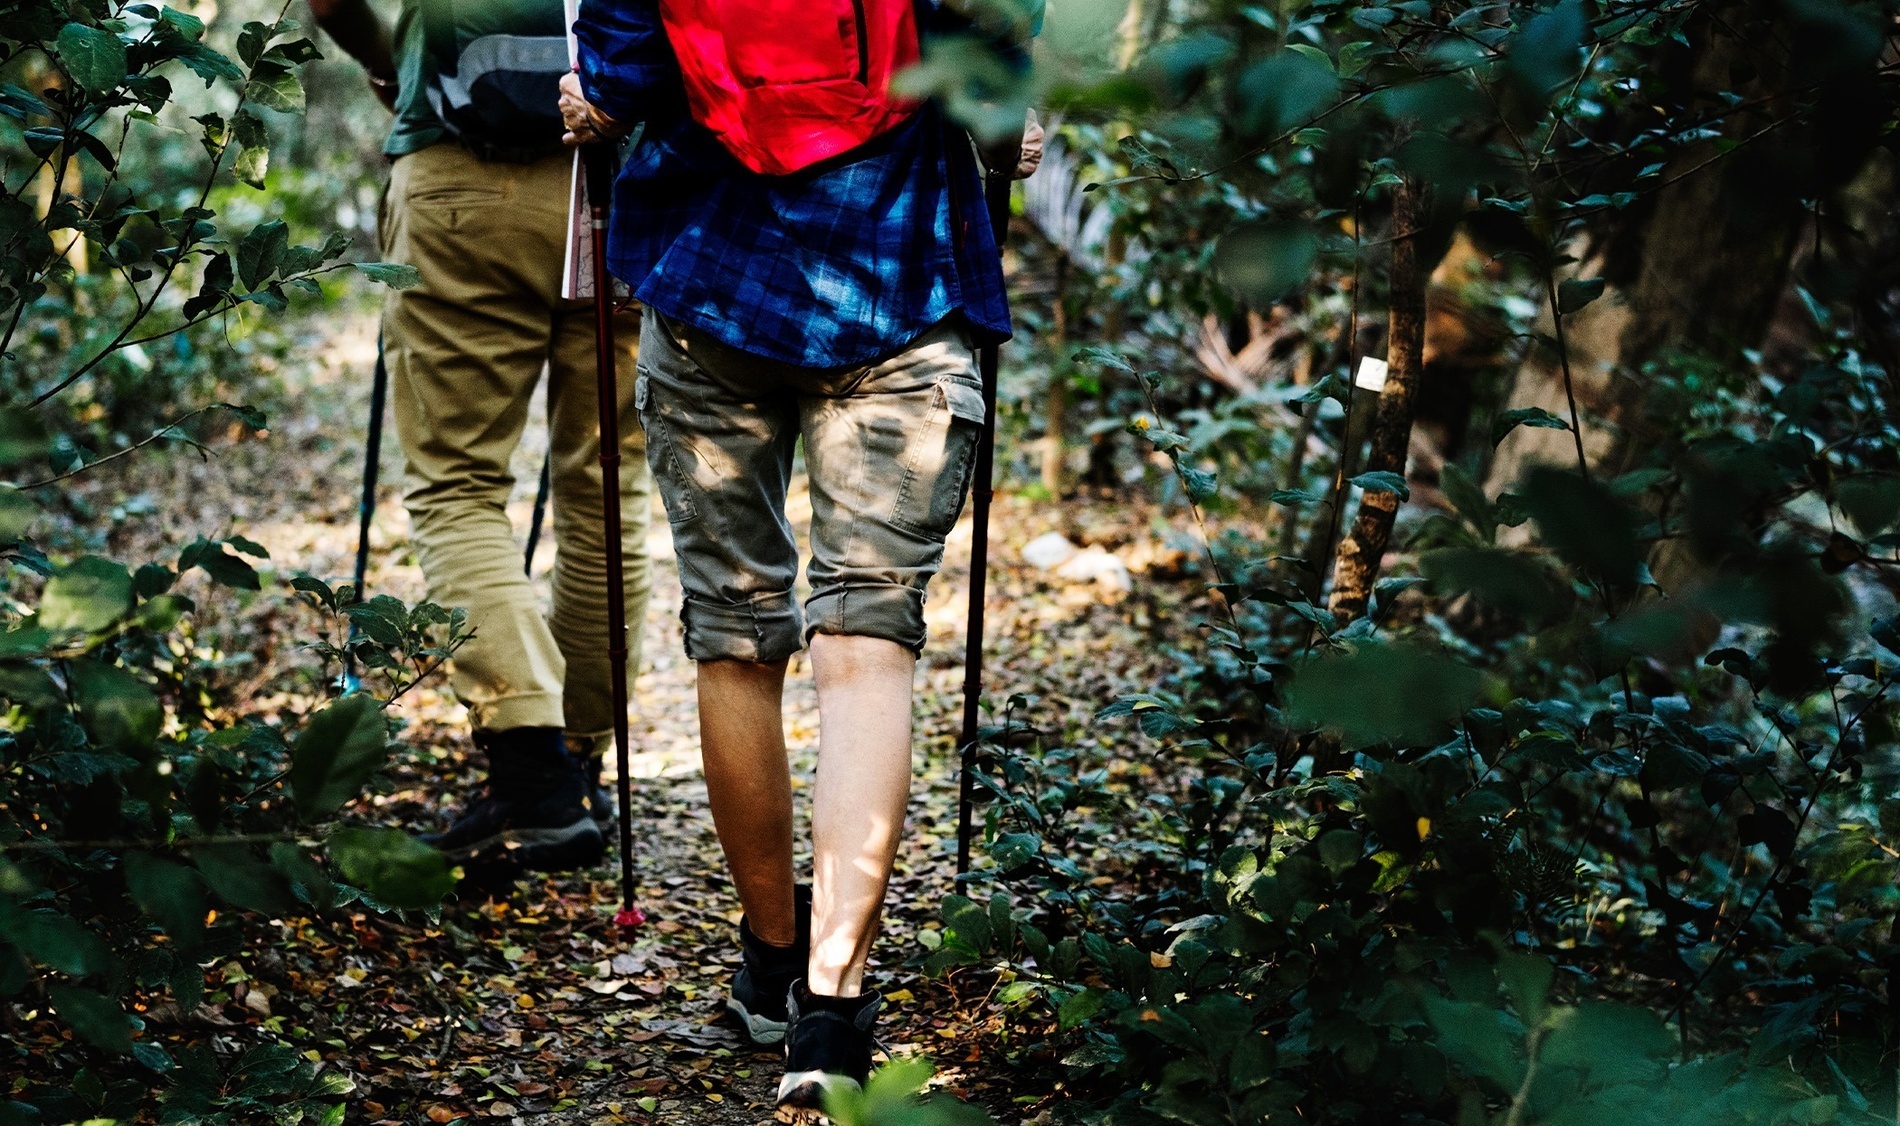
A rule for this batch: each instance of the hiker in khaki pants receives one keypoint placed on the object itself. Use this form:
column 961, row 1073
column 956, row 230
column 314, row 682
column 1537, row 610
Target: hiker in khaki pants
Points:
column 482, row 216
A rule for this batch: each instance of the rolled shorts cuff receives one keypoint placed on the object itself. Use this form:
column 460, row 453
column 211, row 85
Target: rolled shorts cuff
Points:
column 762, row 629
column 886, row 610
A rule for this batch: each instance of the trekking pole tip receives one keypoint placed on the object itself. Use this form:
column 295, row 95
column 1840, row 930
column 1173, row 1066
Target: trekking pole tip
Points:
column 629, row 919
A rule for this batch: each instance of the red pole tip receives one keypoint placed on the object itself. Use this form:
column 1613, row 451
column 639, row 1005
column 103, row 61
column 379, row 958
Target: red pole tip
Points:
column 630, row 918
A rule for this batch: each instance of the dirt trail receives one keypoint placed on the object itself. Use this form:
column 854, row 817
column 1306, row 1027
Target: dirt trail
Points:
column 519, row 1003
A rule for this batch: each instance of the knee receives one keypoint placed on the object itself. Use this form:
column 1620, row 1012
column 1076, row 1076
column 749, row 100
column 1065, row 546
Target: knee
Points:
column 847, row 657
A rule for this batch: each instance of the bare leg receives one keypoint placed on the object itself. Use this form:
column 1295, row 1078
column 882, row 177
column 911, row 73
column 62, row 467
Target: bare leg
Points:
column 864, row 769
column 749, row 784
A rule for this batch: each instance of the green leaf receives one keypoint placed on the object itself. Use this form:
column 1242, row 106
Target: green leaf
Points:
column 1253, row 1062
column 117, row 709
column 215, row 289
column 1545, row 52
column 1575, row 293
column 1340, row 850
column 1870, row 500
column 261, row 251
column 242, row 880
column 249, row 547
column 295, row 53
column 307, row 878
column 1474, row 1035
column 1013, row 850
column 1526, row 979
column 28, row 685
column 382, row 619
column 1384, row 481
column 395, row 275
column 188, row 25
column 1287, row 89
column 252, row 40
column 315, row 588
column 1612, row 1044
column 1510, row 581
column 1584, row 522
column 153, row 1056
column 1383, row 693
column 97, row 1019
column 170, row 893
column 22, row 436
column 95, row 58
column 211, row 65
column 282, row 92
column 393, row 866
column 89, row 596
column 256, row 420
column 221, row 565
column 1262, row 262
column 1525, row 416
column 55, row 941
column 1079, row 1007
column 1201, row 485
column 1890, row 818
column 339, row 750
column 253, row 162
column 17, row 513
column 1467, row 496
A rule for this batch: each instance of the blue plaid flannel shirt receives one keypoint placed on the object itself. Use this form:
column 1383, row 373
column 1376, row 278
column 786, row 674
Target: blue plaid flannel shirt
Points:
column 839, row 266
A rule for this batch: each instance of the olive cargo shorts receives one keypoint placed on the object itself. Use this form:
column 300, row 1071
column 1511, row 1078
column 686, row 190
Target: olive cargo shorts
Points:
column 465, row 350
column 888, row 450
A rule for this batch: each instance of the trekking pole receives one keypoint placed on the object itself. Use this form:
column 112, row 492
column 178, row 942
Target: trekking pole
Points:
column 366, row 510
column 996, row 182
column 540, row 516
column 598, row 161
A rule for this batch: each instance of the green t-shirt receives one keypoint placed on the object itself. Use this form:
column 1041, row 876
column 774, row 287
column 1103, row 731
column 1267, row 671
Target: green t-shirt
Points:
column 416, row 126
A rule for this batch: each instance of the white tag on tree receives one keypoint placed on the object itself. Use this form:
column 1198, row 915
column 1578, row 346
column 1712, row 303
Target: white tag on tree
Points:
column 1371, row 375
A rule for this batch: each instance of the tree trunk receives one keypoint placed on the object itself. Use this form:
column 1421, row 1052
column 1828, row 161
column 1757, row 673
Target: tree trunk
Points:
column 1357, row 568
column 1701, row 269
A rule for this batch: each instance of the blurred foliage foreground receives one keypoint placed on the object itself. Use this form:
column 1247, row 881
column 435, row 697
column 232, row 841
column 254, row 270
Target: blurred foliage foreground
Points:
column 1561, row 794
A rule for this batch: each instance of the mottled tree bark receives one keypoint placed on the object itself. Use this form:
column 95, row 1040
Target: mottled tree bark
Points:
column 1699, row 268
column 1357, row 567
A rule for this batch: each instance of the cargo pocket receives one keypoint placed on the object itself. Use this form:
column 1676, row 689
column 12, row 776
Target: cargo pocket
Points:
column 941, row 457
column 662, row 458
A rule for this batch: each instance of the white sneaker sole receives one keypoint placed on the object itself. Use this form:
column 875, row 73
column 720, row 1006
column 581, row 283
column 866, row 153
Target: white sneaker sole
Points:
column 762, row 1030
column 807, row 1084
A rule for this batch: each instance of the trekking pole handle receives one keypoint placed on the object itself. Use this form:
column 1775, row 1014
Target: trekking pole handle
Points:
column 597, row 162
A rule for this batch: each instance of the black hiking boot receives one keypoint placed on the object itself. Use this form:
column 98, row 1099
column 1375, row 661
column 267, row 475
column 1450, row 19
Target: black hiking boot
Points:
column 601, row 802
column 534, row 805
column 827, row 1048
column 764, row 981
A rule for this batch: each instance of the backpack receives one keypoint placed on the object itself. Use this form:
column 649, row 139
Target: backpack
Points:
column 495, row 73
column 785, row 84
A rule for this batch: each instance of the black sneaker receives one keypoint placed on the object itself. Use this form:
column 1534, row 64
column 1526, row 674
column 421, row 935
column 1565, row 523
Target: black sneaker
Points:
column 827, row 1047
column 534, row 805
column 765, row 977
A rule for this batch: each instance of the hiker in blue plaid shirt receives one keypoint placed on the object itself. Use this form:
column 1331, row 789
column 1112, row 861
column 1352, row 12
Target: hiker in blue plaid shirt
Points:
column 841, row 306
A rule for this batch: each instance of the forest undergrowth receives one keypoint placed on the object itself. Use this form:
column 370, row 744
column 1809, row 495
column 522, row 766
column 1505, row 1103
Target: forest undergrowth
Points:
column 519, row 1001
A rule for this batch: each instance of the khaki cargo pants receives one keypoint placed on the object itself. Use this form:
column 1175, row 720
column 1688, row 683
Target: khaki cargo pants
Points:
column 465, row 350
